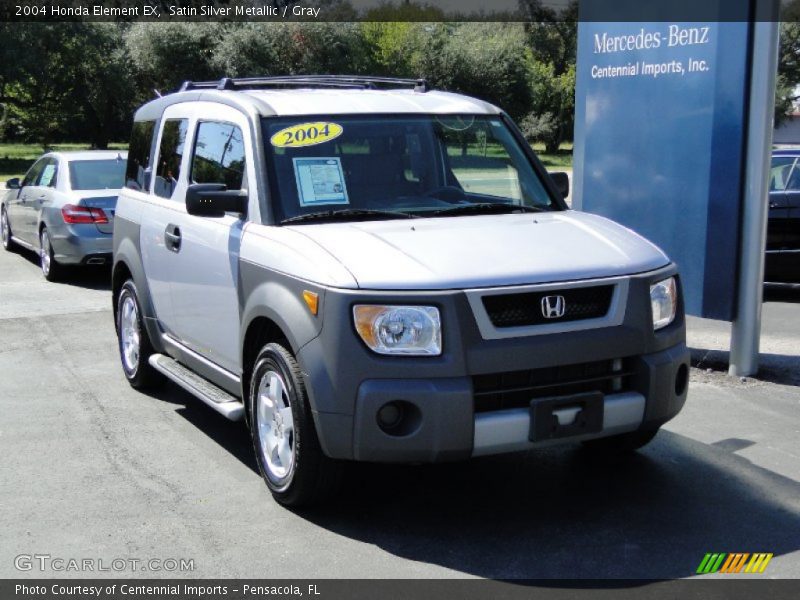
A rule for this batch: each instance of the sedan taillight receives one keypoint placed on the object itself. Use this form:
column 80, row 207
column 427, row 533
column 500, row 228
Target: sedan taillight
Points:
column 83, row 214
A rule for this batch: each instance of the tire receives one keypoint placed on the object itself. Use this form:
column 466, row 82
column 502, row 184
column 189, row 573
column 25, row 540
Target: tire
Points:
column 285, row 441
column 135, row 348
column 624, row 443
column 5, row 231
column 51, row 269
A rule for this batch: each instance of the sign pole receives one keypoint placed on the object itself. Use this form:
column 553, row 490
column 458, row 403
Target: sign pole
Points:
column 746, row 329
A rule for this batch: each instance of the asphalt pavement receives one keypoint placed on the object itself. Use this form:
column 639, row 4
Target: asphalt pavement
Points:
column 92, row 469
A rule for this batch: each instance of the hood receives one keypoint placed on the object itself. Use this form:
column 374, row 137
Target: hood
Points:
column 484, row 251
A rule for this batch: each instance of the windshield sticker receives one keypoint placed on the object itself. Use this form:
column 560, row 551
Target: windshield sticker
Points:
column 47, row 175
column 306, row 134
column 320, row 181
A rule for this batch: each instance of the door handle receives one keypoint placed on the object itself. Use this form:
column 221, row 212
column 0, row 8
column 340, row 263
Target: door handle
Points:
column 172, row 238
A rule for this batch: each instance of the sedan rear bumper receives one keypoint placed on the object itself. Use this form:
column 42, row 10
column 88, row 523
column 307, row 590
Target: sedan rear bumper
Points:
column 80, row 244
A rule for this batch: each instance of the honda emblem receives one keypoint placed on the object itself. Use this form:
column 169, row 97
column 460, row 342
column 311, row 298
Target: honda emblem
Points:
column 553, row 307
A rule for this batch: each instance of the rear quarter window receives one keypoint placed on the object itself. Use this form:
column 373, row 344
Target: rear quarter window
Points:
column 170, row 156
column 139, row 155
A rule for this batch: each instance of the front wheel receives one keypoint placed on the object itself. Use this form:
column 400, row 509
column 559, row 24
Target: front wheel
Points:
column 285, row 441
column 51, row 269
column 623, row 443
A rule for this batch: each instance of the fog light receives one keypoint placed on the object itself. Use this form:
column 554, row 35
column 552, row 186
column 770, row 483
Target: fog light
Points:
column 399, row 418
column 390, row 415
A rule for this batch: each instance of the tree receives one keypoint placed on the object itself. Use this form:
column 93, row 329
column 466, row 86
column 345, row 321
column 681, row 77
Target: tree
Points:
column 552, row 38
column 66, row 80
column 103, row 85
column 552, row 119
column 788, row 69
column 165, row 55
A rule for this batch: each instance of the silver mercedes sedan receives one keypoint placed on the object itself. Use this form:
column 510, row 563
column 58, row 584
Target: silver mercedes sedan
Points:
column 64, row 209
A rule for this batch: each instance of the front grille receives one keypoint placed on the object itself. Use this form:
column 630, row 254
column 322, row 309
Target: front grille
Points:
column 516, row 310
column 516, row 389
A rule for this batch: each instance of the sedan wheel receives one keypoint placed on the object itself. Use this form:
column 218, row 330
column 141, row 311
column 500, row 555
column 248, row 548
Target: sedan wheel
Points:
column 51, row 270
column 44, row 252
column 5, row 230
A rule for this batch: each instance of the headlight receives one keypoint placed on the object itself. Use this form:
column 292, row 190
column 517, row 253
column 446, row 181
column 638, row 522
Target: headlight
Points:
column 664, row 300
column 409, row 330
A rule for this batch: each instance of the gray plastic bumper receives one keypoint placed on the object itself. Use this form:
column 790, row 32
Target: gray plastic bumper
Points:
column 449, row 429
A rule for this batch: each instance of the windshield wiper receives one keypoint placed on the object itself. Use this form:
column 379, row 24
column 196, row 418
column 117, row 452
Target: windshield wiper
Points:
column 347, row 214
column 486, row 208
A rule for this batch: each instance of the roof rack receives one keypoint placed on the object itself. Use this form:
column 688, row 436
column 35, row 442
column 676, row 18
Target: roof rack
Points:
column 312, row 81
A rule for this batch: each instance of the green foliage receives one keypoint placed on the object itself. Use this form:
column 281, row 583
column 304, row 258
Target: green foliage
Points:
column 486, row 60
column 84, row 80
column 165, row 55
column 788, row 68
column 552, row 38
column 552, row 118
column 292, row 48
column 61, row 78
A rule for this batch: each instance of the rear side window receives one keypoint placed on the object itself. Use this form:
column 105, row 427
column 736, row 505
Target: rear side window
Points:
column 218, row 155
column 49, row 174
column 139, row 155
column 170, row 155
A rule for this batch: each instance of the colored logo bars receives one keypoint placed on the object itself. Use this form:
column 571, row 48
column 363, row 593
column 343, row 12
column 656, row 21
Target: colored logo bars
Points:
column 734, row 562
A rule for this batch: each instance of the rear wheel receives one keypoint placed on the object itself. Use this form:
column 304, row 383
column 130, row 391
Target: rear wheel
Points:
column 623, row 443
column 284, row 438
column 5, row 230
column 51, row 269
column 135, row 348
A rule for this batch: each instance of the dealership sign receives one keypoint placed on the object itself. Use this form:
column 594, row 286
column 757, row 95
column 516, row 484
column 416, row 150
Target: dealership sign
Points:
column 661, row 122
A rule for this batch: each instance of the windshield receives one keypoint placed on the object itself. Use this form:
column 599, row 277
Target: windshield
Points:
column 398, row 166
column 97, row 174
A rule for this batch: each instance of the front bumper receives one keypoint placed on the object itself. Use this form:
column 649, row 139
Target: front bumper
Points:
column 348, row 384
column 448, row 428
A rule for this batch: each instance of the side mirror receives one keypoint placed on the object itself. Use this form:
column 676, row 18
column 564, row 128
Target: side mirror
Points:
column 214, row 200
column 561, row 180
column 13, row 184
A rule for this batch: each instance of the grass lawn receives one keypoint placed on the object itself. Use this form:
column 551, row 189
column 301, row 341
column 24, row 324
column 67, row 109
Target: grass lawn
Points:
column 561, row 160
column 16, row 159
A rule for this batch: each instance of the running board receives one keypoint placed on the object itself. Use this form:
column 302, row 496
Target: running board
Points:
column 217, row 398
